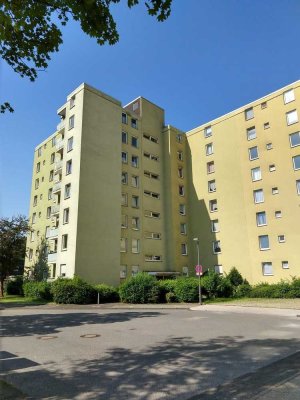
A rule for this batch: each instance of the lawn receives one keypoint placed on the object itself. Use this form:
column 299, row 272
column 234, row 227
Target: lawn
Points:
column 12, row 299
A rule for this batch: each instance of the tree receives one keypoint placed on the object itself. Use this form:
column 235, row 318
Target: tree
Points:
column 29, row 32
column 40, row 269
column 12, row 247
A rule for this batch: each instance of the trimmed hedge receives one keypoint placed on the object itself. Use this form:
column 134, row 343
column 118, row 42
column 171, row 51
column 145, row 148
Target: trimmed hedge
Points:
column 282, row 290
column 140, row 289
column 72, row 291
column 107, row 294
column 37, row 290
column 187, row 290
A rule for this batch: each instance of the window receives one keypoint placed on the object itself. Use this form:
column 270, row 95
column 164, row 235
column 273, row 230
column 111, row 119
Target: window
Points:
column 72, row 102
column 51, row 175
column 278, row 214
column 269, row 146
column 135, row 223
column 180, row 172
column 249, row 114
column 67, row 190
column 63, row 270
column 261, row 218
column 50, row 194
column 53, row 141
column 152, row 258
column 180, row 155
column 258, row 196
column 266, row 125
column 69, row 167
column 123, row 271
column 291, row 117
column 213, row 205
column 275, row 190
column 39, row 152
column 66, row 216
column 71, row 122
column 216, row 247
column 209, row 149
column 256, row 174
column 135, row 201
column 263, row 105
column 151, row 156
column 124, row 137
column 41, row 196
column 251, row 133
column 124, row 157
column 151, row 194
column 288, row 96
column 30, row 254
column 124, row 199
column 211, row 186
column 295, row 139
column 281, row 238
column 267, row 268
column 215, row 225
column 123, row 245
column 47, row 232
column 285, row 264
column 296, row 162
column 183, row 229
column 134, row 181
column 124, row 178
column 184, row 251
column 152, row 214
column 219, row 269
column 298, row 186
column 35, row 201
column 272, row 168
column 135, row 246
column 38, row 167
column 153, row 235
column 182, row 209
column 179, row 138
column 134, row 161
column 37, row 183
column 124, row 118
column 264, row 242
column 181, row 190
column 151, row 175
column 134, row 123
column 70, row 144
column 207, row 131
column 210, row 167
column 33, row 218
column 135, row 270
column 48, row 212
column 123, row 221
column 253, row 153
column 151, row 138
column 134, row 141
column 64, row 242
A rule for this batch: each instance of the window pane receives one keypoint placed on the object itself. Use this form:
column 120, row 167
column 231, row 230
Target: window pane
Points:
column 256, row 174
column 261, row 218
column 249, row 113
column 267, row 268
column 253, row 153
column 298, row 186
column 264, row 242
column 251, row 133
column 296, row 162
column 258, row 196
column 295, row 139
column 292, row 117
column 288, row 96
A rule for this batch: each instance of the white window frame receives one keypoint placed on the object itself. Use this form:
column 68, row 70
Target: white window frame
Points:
column 298, row 186
column 182, row 209
column 249, row 113
column 281, row 238
column 213, row 205
column 296, row 134
column 260, row 242
column 269, row 264
column 251, row 158
column 257, row 218
column 70, row 144
column 254, row 171
column 254, row 196
column 183, row 228
column 184, row 249
column 123, row 249
column 288, row 96
column 213, row 181
column 285, row 265
column 217, row 244
column 278, row 214
column 124, row 221
column 208, row 131
column 71, row 122
column 66, row 215
column 209, row 149
column 64, row 242
column 215, row 225
column 210, row 167
column 67, row 192
column 251, row 133
column 292, row 117
column 294, row 164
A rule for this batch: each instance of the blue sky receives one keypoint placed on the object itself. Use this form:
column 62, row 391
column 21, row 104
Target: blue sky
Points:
column 209, row 57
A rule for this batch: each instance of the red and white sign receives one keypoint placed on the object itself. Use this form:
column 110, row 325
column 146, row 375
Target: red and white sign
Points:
column 198, row 270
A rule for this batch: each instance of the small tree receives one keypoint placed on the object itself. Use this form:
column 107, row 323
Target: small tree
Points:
column 235, row 277
column 12, row 247
column 40, row 270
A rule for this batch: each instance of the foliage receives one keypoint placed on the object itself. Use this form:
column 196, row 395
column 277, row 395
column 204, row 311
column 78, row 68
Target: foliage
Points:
column 234, row 277
column 29, row 33
column 40, row 270
column 107, row 294
column 12, row 247
column 215, row 285
column 142, row 288
column 242, row 290
column 72, row 291
column 37, row 290
column 14, row 286
column 281, row 290
column 167, row 290
column 187, row 290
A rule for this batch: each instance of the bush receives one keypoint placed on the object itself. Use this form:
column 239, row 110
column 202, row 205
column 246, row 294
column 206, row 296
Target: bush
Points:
column 243, row 290
column 187, row 290
column 167, row 290
column 37, row 290
column 295, row 287
column 234, row 277
column 140, row 289
column 15, row 286
column 106, row 293
column 72, row 291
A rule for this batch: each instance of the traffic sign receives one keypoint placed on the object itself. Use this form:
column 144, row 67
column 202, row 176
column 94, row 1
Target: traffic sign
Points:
column 198, row 270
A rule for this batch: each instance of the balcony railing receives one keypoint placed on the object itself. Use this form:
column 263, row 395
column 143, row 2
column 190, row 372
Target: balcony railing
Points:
column 53, row 233
column 58, row 166
column 52, row 257
column 55, row 209
column 61, row 125
column 56, row 187
column 59, row 145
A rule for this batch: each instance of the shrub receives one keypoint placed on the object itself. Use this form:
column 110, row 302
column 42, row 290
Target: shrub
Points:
column 263, row 290
column 234, row 277
column 167, row 290
column 142, row 288
column 187, row 290
column 224, row 288
column 37, row 290
column 15, row 286
column 295, row 287
column 106, row 293
column 171, row 297
column 242, row 290
column 72, row 291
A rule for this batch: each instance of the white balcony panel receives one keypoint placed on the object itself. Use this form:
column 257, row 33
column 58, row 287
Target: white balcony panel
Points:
column 52, row 257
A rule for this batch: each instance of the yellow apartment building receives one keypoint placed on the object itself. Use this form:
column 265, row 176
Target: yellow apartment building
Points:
column 116, row 191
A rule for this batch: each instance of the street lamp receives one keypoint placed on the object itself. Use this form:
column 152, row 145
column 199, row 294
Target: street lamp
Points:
column 199, row 270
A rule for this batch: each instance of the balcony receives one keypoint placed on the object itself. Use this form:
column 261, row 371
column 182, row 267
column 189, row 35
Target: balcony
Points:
column 58, row 166
column 56, row 187
column 61, row 125
column 55, row 209
column 52, row 257
column 53, row 233
column 59, row 145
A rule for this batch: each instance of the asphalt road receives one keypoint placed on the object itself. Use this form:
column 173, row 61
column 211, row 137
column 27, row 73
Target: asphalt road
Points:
column 90, row 353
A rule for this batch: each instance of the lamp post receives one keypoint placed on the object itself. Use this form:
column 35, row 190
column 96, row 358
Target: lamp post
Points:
column 199, row 273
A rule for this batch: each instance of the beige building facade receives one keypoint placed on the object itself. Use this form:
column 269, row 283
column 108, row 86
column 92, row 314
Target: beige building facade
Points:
column 116, row 191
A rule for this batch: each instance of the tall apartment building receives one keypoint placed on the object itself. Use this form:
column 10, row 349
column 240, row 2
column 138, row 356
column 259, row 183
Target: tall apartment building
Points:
column 116, row 191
